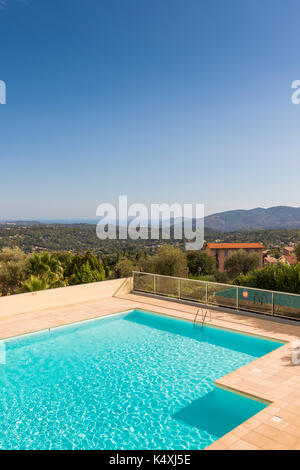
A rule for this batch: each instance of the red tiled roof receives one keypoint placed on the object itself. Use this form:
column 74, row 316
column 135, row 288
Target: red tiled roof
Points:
column 235, row 245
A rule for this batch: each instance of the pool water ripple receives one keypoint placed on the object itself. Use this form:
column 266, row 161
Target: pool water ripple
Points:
column 124, row 382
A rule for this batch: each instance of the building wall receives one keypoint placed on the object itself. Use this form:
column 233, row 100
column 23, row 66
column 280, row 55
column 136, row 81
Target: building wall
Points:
column 32, row 301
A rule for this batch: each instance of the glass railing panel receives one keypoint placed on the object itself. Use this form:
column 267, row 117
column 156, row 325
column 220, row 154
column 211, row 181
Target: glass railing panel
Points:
column 222, row 295
column 143, row 282
column 255, row 300
column 191, row 290
column 287, row 305
column 167, row 286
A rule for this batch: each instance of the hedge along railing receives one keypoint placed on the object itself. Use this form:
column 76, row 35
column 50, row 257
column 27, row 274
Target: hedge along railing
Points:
column 279, row 304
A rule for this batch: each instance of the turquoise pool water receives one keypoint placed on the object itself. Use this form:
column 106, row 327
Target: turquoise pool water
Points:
column 129, row 381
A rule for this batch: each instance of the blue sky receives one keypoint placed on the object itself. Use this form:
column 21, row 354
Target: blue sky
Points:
column 160, row 100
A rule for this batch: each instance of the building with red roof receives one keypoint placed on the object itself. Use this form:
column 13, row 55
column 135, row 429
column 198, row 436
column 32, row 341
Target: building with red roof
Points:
column 220, row 251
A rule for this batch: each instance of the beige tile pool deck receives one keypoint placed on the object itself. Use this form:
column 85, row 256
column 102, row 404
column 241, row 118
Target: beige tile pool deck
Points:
column 272, row 377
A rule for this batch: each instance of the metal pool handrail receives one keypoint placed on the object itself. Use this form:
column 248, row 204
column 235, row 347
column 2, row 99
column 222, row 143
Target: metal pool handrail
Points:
column 203, row 321
column 204, row 314
column 195, row 318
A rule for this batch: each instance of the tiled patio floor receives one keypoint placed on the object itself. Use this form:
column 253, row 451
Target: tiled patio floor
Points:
column 273, row 377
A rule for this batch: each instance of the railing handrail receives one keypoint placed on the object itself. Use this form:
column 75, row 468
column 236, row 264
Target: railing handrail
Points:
column 218, row 283
column 203, row 315
column 203, row 319
column 182, row 278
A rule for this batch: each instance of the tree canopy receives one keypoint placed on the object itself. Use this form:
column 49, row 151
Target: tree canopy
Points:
column 280, row 277
column 241, row 262
column 12, row 269
column 200, row 262
column 169, row 261
column 297, row 251
column 84, row 269
column 124, row 267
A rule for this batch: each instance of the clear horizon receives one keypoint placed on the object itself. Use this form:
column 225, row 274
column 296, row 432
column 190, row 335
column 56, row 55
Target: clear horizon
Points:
column 171, row 101
column 99, row 218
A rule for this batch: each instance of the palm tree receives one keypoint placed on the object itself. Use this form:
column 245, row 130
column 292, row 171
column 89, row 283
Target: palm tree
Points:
column 40, row 264
column 36, row 283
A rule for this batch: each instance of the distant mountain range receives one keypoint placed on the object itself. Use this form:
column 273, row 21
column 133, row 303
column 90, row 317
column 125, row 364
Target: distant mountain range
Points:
column 279, row 217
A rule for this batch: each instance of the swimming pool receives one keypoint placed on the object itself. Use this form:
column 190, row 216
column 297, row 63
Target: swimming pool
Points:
column 133, row 380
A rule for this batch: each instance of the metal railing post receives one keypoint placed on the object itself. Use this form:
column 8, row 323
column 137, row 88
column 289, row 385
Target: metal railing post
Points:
column 206, row 293
column 179, row 288
column 237, row 298
column 273, row 304
column 154, row 284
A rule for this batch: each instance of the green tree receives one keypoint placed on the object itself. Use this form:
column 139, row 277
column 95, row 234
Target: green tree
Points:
column 84, row 269
column 169, row 261
column 107, row 272
column 84, row 274
column 124, row 267
column 220, row 277
column 12, row 269
column 297, row 251
column 200, row 260
column 240, row 262
column 64, row 257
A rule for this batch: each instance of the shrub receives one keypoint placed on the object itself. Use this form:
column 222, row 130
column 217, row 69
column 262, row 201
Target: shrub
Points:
column 168, row 261
column 281, row 277
column 124, row 267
